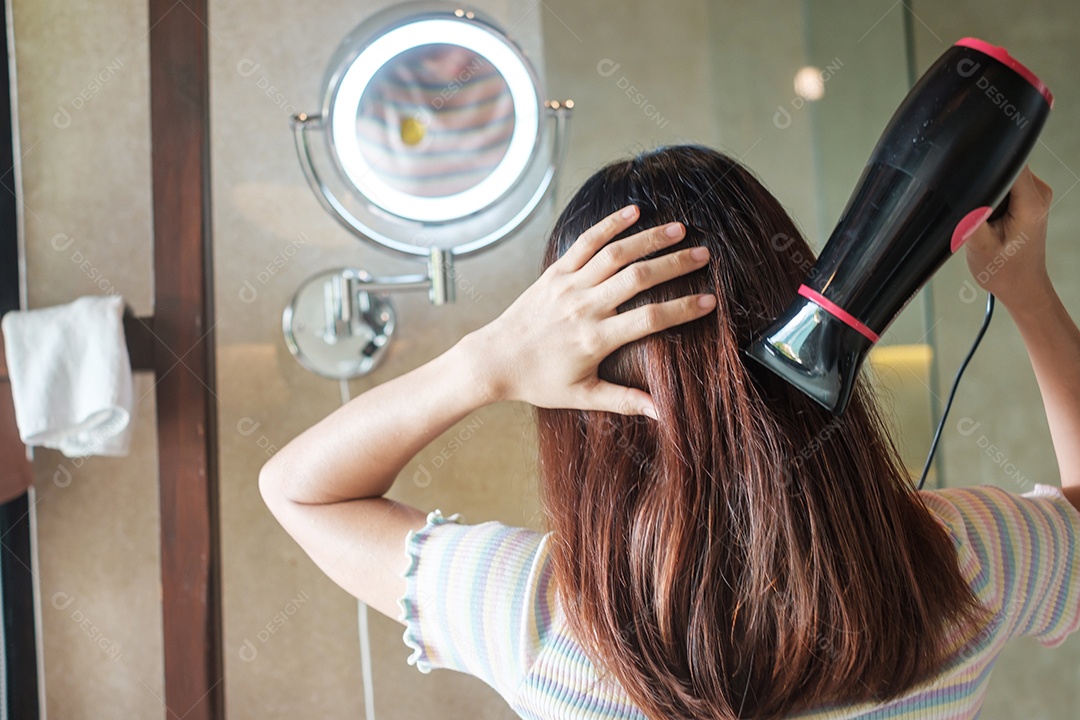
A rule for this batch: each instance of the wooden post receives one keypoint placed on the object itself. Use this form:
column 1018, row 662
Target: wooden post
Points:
column 183, row 360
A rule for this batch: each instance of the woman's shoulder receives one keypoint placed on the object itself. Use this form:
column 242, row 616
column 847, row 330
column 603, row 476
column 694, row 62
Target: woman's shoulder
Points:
column 1018, row 553
column 996, row 512
column 1003, row 526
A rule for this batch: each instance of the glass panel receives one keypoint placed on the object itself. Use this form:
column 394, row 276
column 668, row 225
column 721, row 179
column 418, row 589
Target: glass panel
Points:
column 862, row 52
column 641, row 74
column 996, row 433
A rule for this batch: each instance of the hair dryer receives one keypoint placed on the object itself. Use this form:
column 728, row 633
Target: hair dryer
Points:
column 949, row 154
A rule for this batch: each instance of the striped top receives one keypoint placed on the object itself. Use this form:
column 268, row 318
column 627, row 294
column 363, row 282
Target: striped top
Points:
column 480, row 599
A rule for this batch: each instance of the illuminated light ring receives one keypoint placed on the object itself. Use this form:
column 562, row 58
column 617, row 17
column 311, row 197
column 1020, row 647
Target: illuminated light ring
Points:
column 373, row 58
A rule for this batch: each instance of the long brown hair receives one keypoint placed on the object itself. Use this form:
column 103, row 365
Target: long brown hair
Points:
column 749, row 554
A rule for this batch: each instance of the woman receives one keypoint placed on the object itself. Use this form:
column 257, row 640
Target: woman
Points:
column 717, row 544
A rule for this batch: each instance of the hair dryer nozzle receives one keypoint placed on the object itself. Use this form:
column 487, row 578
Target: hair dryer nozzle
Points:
column 814, row 351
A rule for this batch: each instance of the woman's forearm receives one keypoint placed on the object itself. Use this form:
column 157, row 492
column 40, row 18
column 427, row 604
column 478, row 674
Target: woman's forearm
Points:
column 358, row 450
column 1053, row 343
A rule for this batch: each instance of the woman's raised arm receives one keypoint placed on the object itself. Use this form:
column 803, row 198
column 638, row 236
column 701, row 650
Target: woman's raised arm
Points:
column 326, row 486
column 1008, row 258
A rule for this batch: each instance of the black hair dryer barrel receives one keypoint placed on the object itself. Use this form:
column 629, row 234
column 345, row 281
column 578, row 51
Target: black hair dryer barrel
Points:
column 948, row 156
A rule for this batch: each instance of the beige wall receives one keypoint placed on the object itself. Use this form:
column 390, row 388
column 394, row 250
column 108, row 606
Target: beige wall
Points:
column 705, row 71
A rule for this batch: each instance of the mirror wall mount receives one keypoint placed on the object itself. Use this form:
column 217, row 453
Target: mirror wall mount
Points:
column 435, row 144
column 340, row 322
column 335, row 328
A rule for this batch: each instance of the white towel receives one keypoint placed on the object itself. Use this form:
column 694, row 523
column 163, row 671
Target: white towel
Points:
column 71, row 376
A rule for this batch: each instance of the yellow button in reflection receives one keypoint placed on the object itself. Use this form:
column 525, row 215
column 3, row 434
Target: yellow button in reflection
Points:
column 412, row 131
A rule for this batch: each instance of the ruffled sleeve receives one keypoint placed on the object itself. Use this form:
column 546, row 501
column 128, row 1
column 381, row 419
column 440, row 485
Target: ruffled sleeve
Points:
column 410, row 612
column 478, row 599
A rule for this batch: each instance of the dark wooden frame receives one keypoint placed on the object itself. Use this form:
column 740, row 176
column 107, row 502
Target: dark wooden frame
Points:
column 183, row 359
column 20, row 643
column 20, row 646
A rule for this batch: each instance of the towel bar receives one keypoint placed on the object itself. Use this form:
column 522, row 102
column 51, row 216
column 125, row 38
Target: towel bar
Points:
column 140, row 338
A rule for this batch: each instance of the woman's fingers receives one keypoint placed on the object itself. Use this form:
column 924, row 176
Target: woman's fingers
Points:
column 617, row 255
column 648, row 319
column 609, row 397
column 1029, row 203
column 1030, row 195
column 586, row 245
column 645, row 274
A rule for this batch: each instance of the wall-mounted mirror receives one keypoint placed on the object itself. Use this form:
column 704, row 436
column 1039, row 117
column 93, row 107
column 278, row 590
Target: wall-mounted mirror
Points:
column 436, row 144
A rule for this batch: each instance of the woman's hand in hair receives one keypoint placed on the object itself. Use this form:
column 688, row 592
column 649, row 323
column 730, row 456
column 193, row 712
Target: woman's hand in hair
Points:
column 1007, row 257
column 546, row 347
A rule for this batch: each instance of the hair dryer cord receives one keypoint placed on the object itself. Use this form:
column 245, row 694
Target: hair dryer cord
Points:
column 956, row 381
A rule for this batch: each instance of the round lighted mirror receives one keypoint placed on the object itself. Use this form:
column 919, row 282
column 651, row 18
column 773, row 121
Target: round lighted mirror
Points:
column 434, row 125
column 411, row 112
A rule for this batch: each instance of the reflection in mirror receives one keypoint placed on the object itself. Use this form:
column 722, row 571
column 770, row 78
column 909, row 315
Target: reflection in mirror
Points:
column 435, row 120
